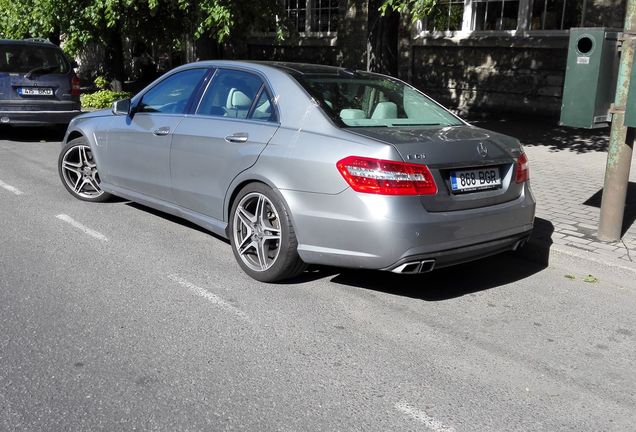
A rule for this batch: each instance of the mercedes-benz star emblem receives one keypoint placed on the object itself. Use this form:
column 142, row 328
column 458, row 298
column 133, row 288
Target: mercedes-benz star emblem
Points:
column 482, row 149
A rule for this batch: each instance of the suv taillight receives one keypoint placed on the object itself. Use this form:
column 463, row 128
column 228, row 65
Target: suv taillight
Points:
column 385, row 177
column 75, row 86
column 522, row 169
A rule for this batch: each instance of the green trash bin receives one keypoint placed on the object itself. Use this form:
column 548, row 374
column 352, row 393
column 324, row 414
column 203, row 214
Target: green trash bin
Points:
column 590, row 77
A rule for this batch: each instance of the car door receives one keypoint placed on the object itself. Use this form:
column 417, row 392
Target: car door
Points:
column 232, row 124
column 139, row 145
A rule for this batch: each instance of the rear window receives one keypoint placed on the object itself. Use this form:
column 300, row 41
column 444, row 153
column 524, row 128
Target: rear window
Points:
column 20, row 58
column 366, row 100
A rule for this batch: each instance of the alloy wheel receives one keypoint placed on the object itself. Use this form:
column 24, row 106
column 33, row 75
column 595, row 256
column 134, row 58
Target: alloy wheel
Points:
column 79, row 172
column 257, row 231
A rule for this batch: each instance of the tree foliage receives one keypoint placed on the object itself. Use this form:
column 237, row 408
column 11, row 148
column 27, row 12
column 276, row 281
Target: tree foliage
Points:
column 82, row 21
column 417, row 9
column 166, row 25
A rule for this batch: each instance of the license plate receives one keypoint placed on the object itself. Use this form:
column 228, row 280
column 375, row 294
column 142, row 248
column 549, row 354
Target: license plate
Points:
column 474, row 180
column 35, row 91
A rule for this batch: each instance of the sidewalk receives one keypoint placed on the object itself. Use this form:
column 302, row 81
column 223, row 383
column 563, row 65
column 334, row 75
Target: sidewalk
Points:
column 567, row 168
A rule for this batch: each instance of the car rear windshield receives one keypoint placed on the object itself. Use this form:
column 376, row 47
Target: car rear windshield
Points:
column 23, row 58
column 368, row 100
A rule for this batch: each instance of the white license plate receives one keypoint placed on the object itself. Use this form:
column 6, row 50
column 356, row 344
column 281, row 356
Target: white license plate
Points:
column 476, row 179
column 36, row 91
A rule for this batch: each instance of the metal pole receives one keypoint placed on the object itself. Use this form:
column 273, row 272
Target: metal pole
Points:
column 619, row 155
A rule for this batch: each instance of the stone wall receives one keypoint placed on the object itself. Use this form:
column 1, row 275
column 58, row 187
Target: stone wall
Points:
column 492, row 73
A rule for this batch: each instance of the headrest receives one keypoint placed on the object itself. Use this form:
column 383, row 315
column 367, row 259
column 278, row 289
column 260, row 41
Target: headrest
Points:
column 240, row 99
column 385, row 110
column 350, row 114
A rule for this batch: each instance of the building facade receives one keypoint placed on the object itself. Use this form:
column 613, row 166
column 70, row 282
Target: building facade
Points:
column 473, row 56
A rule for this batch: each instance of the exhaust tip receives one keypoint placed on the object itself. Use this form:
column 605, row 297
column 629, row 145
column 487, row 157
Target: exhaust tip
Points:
column 427, row 266
column 414, row 267
column 519, row 245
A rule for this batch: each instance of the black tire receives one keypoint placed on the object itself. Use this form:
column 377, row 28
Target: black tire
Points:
column 78, row 172
column 278, row 259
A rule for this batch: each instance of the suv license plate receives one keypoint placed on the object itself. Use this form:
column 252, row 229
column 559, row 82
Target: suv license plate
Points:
column 35, row 91
column 474, row 180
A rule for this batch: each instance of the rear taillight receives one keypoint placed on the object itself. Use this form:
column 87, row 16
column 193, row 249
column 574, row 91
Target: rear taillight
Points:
column 386, row 177
column 75, row 86
column 522, row 169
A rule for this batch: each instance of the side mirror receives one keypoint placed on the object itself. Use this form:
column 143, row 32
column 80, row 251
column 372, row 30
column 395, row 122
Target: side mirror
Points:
column 74, row 64
column 121, row 107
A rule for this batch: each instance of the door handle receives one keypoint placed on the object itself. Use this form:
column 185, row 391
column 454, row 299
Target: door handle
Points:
column 164, row 130
column 239, row 137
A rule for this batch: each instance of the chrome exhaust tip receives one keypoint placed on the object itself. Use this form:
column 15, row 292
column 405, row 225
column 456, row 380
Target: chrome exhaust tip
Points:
column 414, row 267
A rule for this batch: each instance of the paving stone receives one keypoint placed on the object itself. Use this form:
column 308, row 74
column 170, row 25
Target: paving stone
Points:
column 588, row 226
column 572, row 233
column 561, row 241
column 606, row 247
column 576, row 240
column 585, row 247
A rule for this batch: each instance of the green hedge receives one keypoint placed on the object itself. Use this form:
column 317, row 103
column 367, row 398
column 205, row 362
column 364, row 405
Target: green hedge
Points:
column 102, row 98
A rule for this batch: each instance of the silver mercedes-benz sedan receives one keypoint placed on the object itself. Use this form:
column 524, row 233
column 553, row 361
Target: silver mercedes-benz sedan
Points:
column 303, row 164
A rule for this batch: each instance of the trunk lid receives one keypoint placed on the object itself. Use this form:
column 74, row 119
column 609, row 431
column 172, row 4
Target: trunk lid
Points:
column 457, row 152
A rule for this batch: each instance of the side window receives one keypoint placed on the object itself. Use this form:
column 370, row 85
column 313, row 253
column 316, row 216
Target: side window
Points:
column 263, row 109
column 231, row 94
column 172, row 94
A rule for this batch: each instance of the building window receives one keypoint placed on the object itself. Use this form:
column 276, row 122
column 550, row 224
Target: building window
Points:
column 557, row 14
column 313, row 16
column 495, row 14
column 446, row 16
column 504, row 15
column 324, row 15
column 296, row 13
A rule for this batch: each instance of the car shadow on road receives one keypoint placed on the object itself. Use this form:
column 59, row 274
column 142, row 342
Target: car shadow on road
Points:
column 457, row 281
column 446, row 283
column 171, row 218
column 33, row 134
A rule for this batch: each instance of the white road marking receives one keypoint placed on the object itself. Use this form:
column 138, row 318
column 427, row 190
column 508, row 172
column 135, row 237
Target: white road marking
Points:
column 422, row 417
column 212, row 298
column 10, row 188
column 69, row 220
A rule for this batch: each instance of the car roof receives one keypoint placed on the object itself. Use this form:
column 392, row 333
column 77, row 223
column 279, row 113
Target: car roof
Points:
column 288, row 68
column 304, row 68
column 29, row 42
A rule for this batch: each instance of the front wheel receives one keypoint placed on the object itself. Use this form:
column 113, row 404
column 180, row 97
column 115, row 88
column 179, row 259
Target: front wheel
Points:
column 262, row 235
column 78, row 171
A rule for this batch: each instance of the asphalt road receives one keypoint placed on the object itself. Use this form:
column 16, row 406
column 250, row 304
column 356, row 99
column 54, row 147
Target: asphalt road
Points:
column 114, row 317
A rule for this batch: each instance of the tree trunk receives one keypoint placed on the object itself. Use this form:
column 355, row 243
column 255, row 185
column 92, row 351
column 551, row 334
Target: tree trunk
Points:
column 383, row 40
column 115, row 56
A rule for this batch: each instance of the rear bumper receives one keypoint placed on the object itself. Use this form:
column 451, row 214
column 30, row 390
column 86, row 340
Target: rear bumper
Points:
column 37, row 118
column 37, row 112
column 379, row 232
column 427, row 262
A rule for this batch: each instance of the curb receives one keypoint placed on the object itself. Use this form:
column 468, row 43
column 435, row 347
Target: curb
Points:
column 541, row 252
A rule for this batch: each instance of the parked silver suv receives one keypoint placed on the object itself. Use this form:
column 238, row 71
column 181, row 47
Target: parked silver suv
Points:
column 37, row 84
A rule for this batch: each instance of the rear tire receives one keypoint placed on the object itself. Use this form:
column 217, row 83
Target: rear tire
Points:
column 262, row 235
column 78, row 172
